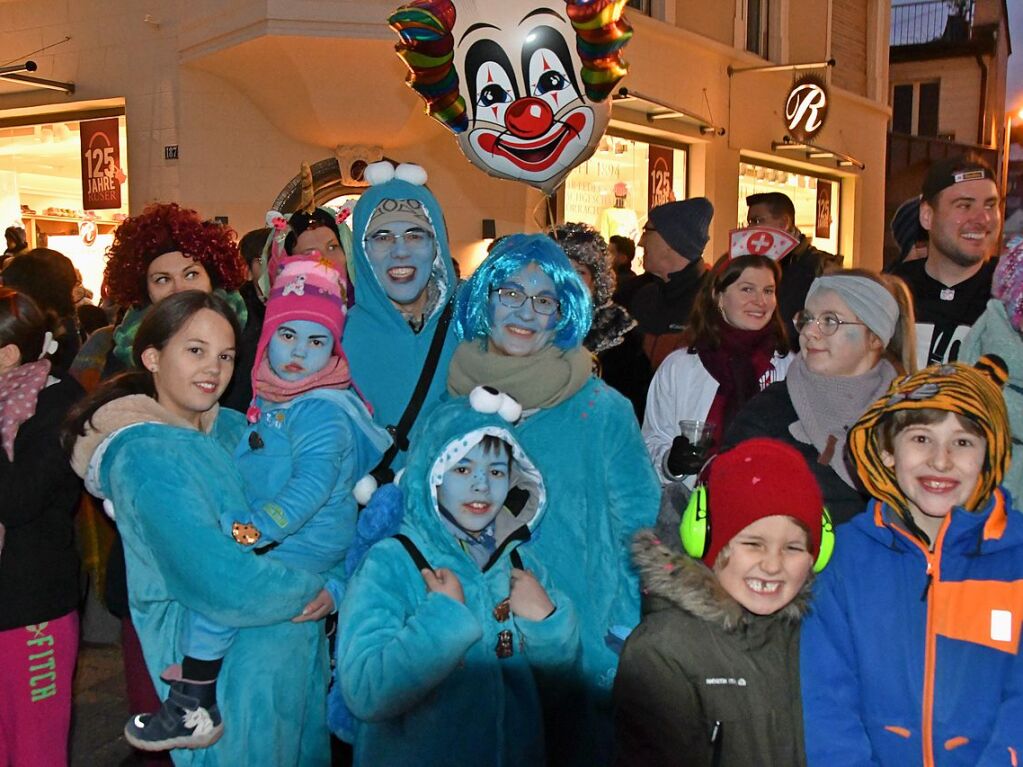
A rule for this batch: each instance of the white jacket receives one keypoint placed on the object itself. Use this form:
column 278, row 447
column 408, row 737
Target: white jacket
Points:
column 683, row 390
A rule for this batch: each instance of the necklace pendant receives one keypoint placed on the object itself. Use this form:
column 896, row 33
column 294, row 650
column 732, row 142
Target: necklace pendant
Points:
column 947, row 294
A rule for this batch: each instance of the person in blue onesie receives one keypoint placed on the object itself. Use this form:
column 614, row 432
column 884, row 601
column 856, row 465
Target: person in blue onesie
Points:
column 443, row 626
column 406, row 281
column 310, row 440
column 911, row 652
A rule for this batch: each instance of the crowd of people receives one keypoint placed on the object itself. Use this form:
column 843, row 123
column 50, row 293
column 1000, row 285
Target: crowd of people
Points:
column 754, row 509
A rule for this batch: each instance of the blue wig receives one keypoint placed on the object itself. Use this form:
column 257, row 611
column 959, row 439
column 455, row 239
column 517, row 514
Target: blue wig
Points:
column 472, row 312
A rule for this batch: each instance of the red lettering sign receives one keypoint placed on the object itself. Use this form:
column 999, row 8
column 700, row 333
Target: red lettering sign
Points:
column 823, row 228
column 102, row 175
column 660, row 181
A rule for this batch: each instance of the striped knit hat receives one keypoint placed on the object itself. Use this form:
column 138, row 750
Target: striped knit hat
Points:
column 974, row 392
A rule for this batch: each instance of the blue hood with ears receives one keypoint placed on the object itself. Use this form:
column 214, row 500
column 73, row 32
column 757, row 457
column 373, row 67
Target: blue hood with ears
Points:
column 385, row 354
column 441, row 440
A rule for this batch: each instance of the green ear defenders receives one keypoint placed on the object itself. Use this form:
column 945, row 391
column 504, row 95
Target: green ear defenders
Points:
column 695, row 529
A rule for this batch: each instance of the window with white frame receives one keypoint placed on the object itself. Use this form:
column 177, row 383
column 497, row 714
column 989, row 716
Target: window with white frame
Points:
column 915, row 108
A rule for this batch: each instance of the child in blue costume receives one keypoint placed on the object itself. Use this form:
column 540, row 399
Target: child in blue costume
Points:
column 911, row 653
column 311, row 439
column 155, row 445
column 402, row 266
column 440, row 633
column 524, row 314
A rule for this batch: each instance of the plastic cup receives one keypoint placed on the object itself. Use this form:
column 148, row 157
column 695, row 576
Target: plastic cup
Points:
column 697, row 432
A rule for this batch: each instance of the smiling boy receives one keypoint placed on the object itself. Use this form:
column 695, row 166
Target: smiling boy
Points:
column 910, row 655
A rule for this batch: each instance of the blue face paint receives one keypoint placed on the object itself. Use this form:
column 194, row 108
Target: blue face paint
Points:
column 299, row 348
column 522, row 331
column 474, row 489
column 402, row 254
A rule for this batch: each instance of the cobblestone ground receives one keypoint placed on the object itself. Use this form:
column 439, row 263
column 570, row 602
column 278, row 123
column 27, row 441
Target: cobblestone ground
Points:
column 100, row 710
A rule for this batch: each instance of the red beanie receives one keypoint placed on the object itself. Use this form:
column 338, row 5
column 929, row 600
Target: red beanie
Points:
column 760, row 478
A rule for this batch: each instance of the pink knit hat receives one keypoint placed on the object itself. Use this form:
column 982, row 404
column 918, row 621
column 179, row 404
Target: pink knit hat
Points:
column 305, row 287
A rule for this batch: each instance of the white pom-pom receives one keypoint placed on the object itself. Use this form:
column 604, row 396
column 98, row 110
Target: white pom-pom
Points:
column 510, row 409
column 378, row 172
column 364, row 489
column 412, row 173
column 485, row 399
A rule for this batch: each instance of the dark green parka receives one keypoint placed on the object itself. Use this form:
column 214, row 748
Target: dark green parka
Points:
column 702, row 681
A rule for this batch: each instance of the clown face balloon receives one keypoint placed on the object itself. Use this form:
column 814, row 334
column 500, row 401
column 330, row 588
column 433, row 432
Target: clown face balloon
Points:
column 524, row 86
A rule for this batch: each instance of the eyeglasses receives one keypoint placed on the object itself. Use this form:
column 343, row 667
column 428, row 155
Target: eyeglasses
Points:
column 828, row 323
column 515, row 299
column 383, row 241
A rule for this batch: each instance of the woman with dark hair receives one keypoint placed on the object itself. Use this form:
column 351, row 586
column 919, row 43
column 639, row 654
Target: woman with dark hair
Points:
column 855, row 337
column 736, row 345
column 522, row 318
column 155, row 444
column 613, row 337
column 39, row 567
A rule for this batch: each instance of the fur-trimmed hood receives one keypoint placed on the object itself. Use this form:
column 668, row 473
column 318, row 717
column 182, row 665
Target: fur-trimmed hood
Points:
column 690, row 585
column 610, row 324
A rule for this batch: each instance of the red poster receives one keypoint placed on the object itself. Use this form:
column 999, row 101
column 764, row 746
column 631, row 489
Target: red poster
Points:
column 823, row 228
column 101, row 164
column 660, row 167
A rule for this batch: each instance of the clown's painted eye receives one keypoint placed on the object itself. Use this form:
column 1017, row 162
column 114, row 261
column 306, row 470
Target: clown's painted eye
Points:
column 550, row 81
column 493, row 94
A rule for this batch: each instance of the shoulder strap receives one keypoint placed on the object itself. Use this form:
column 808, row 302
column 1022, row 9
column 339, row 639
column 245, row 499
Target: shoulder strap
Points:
column 516, row 559
column 399, row 433
column 413, row 551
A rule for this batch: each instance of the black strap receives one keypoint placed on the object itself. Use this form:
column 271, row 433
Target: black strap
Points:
column 516, row 560
column 413, row 551
column 399, row 434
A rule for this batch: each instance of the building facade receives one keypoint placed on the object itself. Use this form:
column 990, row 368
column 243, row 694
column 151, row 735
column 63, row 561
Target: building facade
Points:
column 218, row 102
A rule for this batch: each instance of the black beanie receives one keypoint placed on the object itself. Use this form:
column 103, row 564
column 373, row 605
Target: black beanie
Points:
column 684, row 225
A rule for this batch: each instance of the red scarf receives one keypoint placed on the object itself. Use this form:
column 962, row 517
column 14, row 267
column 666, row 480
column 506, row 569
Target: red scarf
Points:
column 273, row 388
column 738, row 364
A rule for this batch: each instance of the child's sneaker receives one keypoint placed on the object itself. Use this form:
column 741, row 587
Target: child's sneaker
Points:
column 188, row 718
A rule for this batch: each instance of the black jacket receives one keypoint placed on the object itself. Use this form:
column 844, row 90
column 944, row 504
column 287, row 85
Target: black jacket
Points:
column 702, row 682
column 769, row 414
column 662, row 310
column 798, row 270
column 39, row 564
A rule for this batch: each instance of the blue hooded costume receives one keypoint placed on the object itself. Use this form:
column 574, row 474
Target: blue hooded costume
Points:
column 385, row 354
column 169, row 484
column 419, row 669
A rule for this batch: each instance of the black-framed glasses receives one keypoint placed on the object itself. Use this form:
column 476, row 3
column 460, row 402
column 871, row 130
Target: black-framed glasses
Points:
column 514, row 298
column 827, row 323
column 383, row 241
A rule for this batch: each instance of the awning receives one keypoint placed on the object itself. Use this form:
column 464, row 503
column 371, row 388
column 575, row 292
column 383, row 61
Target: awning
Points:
column 656, row 110
column 815, row 152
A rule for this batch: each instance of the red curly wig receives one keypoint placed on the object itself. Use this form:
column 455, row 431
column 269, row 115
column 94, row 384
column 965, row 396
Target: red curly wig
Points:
column 162, row 228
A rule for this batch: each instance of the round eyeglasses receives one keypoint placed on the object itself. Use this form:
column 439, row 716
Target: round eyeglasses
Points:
column 827, row 323
column 514, row 298
column 383, row 242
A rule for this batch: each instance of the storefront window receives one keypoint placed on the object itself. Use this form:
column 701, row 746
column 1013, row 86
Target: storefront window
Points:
column 816, row 199
column 614, row 190
column 42, row 188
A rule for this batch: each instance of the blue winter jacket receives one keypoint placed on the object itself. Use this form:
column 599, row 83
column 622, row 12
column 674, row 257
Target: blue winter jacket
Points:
column 385, row 355
column 911, row 657
column 601, row 489
column 299, row 473
column 169, row 485
column 418, row 669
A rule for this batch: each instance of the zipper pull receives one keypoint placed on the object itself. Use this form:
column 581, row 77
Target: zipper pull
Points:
column 927, row 585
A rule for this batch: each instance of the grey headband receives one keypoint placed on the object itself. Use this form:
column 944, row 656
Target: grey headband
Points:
column 870, row 301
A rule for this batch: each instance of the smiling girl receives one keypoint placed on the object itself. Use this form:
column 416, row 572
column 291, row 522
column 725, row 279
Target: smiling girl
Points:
column 154, row 443
column 737, row 346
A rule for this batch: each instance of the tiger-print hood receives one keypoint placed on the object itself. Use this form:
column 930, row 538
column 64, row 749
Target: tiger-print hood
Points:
column 690, row 585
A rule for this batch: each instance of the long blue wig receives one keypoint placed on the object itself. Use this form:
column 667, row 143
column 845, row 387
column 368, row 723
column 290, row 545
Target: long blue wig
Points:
column 472, row 312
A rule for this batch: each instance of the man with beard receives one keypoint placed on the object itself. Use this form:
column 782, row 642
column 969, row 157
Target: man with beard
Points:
column 961, row 212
